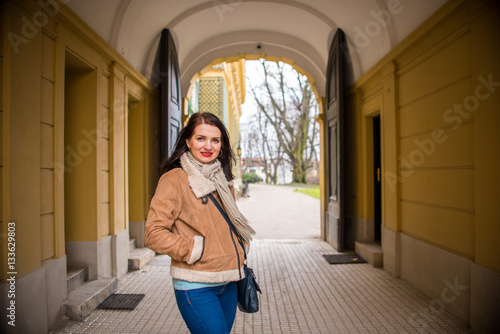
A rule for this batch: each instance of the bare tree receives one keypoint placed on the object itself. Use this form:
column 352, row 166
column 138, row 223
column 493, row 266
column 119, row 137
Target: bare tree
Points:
column 260, row 141
column 287, row 103
column 271, row 149
column 251, row 146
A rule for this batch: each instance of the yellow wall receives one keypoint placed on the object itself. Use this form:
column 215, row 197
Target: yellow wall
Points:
column 3, row 132
column 21, row 148
column 235, row 85
column 80, row 177
column 136, row 136
column 64, row 95
column 437, row 185
column 50, row 233
column 485, row 45
column 117, row 184
column 144, row 153
column 440, row 142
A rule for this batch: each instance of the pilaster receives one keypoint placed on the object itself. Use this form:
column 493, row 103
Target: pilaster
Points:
column 118, row 148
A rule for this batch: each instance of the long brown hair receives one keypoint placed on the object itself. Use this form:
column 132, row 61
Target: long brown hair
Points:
column 226, row 158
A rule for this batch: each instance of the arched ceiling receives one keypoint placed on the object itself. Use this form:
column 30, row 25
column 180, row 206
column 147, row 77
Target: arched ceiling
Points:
column 299, row 30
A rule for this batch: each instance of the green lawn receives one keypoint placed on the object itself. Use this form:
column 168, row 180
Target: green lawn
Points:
column 314, row 192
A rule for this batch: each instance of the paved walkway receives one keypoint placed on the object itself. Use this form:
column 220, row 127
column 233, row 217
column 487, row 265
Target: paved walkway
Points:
column 302, row 293
column 277, row 212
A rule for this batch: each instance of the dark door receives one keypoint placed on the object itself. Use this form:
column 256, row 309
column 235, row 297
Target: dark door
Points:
column 170, row 90
column 377, row 186
column 335, row 220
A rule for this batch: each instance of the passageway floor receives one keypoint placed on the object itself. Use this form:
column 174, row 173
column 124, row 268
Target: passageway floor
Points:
column 302, row 293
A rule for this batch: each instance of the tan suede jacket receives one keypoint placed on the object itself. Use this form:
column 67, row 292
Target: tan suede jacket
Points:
column 195, row 235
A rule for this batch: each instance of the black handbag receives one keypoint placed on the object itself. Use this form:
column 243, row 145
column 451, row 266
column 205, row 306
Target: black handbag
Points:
column 248, row 299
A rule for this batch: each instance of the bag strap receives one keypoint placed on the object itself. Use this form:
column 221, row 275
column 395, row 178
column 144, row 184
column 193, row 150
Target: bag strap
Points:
column 223, row 213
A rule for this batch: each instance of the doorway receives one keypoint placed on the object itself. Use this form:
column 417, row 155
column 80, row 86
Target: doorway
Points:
column 377, row 177
column 79, row 149
column 80, row 157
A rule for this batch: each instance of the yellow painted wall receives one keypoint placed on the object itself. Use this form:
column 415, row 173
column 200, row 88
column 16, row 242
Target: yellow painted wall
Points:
column 3, row 132
column 102, row 144
column 21, row 147
column 118, row 149
column 234, row 77
column 137, row 164
column 50, row 234
column 440, row 142
column 80, row 177
column 435, row 158
column 485, row 46
column 63, row 99
column 144, row 153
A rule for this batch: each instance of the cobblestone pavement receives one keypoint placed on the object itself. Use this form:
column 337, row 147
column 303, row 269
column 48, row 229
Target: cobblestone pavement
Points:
column 302, row 293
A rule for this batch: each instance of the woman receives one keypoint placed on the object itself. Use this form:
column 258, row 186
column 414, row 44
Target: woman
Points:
column 183, row 223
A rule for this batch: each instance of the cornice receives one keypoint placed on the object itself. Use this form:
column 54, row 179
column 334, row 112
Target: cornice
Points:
column 71, row 20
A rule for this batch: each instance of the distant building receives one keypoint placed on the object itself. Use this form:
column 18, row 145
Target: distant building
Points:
column 221, row 91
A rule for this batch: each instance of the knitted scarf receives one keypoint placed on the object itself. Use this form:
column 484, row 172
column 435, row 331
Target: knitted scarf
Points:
column 207, row 178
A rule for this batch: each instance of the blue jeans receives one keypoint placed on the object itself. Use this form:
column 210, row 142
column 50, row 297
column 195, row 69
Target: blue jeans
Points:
column 208, row 310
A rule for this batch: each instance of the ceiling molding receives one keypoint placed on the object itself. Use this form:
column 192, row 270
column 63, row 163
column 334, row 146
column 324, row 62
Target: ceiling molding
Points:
column 273, row 53
column 212, row 4
column 117, row 22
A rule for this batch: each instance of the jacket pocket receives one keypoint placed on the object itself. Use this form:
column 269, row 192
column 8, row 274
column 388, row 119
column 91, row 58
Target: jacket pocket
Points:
column 198, row 249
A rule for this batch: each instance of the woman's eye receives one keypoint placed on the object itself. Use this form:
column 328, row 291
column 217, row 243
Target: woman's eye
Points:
column 216, row 140
column 200, row 138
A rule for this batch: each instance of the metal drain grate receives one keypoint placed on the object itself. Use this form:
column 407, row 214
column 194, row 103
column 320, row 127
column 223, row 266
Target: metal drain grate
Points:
column 343, row 258
column 121, row 302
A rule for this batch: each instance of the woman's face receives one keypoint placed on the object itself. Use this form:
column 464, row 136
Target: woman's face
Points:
column 205, row 143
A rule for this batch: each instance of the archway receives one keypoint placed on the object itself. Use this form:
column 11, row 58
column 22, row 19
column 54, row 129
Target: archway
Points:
column 240, row 56
column 319, row 100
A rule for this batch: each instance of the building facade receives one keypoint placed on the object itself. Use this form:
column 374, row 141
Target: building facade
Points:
column 221, row 91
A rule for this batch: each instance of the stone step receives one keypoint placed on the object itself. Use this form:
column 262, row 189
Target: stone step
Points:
column 86, row 297
column 371, row 252
column 132, row 244
column 139, row 257
column 76, row 276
